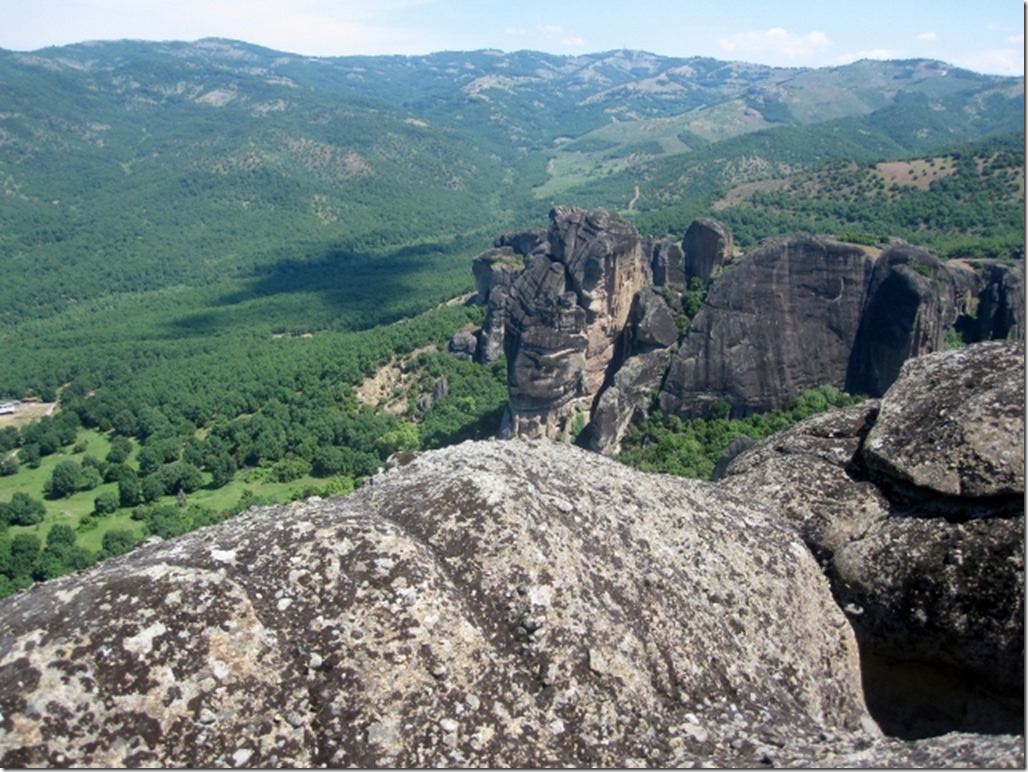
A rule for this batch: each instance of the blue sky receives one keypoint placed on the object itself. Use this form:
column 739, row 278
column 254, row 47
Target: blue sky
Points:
column 983, row 35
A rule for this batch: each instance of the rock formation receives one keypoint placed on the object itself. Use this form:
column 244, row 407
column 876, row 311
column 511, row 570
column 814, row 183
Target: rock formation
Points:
column 668, row 264
column 565, row 319
column 495, row 271
column 708, row 248
column 794, row 314
column 916, row 506
column 522, row 604
column 783, row 320
column 912, row 299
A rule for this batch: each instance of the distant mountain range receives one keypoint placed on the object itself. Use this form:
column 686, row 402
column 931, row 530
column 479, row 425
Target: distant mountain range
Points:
column 136, row 165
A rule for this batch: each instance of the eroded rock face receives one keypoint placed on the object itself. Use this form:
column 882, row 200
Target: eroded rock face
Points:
column 668, row 263
column 566, row 316
column 782, row 321
column 915, row 504
column 498, row 604
column 495, row 270
column 912, row 299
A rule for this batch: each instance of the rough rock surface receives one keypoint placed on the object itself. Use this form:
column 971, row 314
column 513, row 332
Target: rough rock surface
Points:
column 501, row 603
column 708, row 247
column 954, row 424
column 495, row 271
column 566, row 315
column 912, row 299
column 628, row 398
column 1000, row 312
column 668, row 263
column 916, row 506
column 781, row 321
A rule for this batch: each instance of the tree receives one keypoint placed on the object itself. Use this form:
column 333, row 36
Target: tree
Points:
column 222, row 468
column 61, row 536
column 64, row 480
column 9, row 466
column 121, row 448
column 117, row 542
column 22, row 510
column 9, row 439
column 106, row 503
column 130, row 491
column 152, row 488
column 24, row 551
column 30, row 455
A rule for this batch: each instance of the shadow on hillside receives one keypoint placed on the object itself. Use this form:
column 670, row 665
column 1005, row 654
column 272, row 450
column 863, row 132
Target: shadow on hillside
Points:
column 332, row 288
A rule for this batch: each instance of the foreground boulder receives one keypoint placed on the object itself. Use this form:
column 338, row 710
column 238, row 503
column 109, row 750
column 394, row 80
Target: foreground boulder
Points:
column 522, row 604
column 915, row 503
column 499, row 604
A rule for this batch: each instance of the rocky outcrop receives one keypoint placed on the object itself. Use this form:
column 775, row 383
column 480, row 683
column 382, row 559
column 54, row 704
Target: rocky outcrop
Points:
column 999, row 311
column 707, row 247
column 495, row 271
column 783, row 320
column 668, row 264
column 794, row 314
column 498, row 604
column 566, row 316
column 912, row 299
column 915, row 504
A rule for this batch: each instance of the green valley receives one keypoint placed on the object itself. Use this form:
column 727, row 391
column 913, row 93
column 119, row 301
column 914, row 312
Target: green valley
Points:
column 209, row 247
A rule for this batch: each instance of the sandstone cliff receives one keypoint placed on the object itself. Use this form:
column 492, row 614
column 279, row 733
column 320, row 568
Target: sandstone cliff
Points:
column 509, row 604
column 590, row 342
column 565, row 317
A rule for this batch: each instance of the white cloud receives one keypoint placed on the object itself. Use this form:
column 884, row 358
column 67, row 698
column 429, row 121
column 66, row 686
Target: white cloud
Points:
column 997, row 61
column 552, row 33
column 877, row 53
column 1015, row 39
column 776, row 41
column 928, row 36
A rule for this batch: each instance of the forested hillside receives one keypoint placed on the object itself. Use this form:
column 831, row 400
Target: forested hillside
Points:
column 208, row 247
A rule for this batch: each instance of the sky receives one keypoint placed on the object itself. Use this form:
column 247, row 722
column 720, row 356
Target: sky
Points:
column 982, row 35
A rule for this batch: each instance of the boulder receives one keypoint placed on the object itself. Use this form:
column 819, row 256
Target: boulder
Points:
column 463, row 345
column 495, row 270
column 651, row 323
column 1000, row 303
column 523, row 243
column 915, row 505
column 501, row 604
column 954, row 424
column 668, row 264
column 627, row 399
column 707, row 248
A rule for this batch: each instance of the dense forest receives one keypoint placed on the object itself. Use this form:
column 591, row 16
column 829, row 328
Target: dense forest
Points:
column 210, row 248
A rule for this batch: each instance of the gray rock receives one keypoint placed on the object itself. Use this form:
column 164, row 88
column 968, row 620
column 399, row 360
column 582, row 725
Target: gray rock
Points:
column 463, row 345
column 915, row 504
column 627, row 399
column 912, row 299
column 481, row 605
column 782, row 321
column 707, row 247
column 651, row 323
column 668, row 264
column 566, row 316
column 954, row 423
